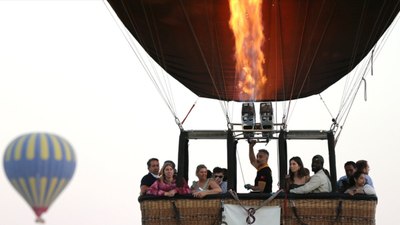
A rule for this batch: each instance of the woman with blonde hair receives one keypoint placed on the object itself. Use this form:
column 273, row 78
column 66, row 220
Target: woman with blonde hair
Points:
column 204, row 186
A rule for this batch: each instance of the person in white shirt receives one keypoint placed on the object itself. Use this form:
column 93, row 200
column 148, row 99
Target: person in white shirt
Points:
column 319, row 182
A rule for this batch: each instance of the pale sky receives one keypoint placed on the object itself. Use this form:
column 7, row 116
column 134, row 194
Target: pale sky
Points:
column 66, row 68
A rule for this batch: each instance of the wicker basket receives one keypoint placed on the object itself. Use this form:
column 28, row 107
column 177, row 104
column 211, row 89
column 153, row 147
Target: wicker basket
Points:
column 304, row 209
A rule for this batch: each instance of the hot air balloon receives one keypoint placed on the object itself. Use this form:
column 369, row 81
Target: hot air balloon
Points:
column 39, row 166
column 308, row 45
column 302, row 48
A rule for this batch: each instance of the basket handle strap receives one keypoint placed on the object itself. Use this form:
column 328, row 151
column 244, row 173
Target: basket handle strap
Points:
column 294, row 210
column 221, row 216
column 176, row 212
column 339, row 211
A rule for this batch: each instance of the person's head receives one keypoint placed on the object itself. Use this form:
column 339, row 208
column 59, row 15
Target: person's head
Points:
column 358, row 179
column 362, row 165
column 306, row 172
column 218, row 174
column 262, row 156
column 170, row 162
column 167, row 171
column 317, row 163
column 201, row 172
column 296, row 167
column 153, row 166
column 350, row 168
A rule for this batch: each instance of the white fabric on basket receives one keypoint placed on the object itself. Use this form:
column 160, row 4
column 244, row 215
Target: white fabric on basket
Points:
column 266, row 215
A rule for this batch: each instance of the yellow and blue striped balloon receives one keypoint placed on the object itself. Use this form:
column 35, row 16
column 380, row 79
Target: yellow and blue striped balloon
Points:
column 39, row 166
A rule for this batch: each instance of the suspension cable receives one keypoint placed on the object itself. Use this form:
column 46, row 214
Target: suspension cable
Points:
column 365, row 65
column 157, row 76
column 240, row 166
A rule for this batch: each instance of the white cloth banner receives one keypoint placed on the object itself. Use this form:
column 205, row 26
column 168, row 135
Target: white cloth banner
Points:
column 237, row 215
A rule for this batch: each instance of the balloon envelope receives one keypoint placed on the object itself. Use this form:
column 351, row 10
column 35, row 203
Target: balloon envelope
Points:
column 39, row 166
column 309, row 45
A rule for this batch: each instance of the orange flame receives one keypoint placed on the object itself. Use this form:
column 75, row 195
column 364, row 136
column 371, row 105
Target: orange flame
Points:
column 246, row 23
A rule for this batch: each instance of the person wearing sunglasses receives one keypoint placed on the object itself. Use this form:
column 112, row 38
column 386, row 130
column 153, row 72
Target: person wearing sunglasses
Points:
column 218, row 176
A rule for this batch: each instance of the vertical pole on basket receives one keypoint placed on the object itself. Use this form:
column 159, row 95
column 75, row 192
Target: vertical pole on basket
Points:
column 231, row 154
column 332, row 159
column 282, row 148
column 183, row 156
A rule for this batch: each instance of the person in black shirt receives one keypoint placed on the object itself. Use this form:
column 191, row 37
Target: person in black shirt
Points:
column 153, row 166
column 263, row 180
column 344, row 182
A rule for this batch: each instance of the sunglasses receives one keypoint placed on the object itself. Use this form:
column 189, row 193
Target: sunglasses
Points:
column 219, row 176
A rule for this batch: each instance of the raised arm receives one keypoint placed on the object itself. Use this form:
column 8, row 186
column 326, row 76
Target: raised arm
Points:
column 252, row 157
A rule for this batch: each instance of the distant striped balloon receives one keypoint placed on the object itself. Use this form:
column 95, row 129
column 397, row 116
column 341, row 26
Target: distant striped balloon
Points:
column 39, row 166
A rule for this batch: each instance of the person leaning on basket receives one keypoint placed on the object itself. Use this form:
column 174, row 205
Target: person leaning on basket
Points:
column 359, row 185
column 166, row 185
column 204, row 186
column 319, row 182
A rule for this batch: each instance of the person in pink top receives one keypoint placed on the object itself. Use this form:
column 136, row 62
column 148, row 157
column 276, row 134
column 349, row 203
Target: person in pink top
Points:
column 166, row 185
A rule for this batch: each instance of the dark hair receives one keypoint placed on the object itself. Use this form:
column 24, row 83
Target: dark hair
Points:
column 318, row 158
column 209, row 174
column 355, row 176
column 307, row 171
column 361, row 164
column 264, row 151
column 302, row 172
column 218, row 170
column 350, row 163
column 150, row 160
